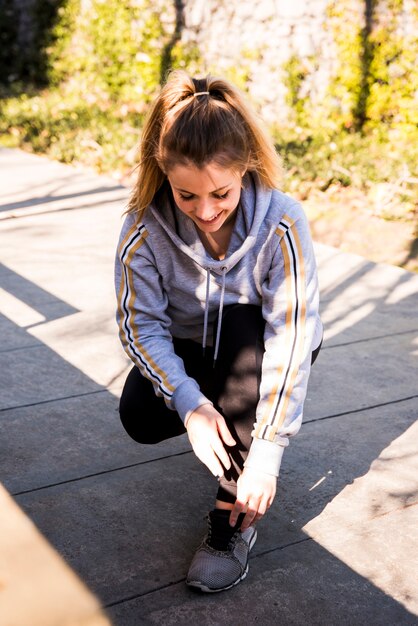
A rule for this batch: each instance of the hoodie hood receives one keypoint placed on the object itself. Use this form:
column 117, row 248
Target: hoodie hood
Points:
column 252, row 209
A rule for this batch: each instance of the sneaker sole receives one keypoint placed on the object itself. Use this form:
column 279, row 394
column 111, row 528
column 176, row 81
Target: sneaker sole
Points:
column 198, row 585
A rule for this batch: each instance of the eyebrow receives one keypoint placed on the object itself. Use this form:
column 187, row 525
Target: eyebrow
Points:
column 214, row 191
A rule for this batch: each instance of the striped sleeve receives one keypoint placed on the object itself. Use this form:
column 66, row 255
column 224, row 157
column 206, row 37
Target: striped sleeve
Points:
column 128, row 319
column 144, row 325
column 290, row 308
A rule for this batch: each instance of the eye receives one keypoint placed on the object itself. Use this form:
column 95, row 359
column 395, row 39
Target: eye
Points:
column 183, row 197
column 223, row 196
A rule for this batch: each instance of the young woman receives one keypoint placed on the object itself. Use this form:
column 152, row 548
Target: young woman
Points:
column 217, row 307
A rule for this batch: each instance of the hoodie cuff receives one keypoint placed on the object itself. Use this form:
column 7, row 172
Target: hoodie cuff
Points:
column 265, row 456
column 187, row 398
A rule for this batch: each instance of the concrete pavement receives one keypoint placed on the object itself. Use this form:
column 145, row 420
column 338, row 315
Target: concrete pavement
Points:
column 339, row 545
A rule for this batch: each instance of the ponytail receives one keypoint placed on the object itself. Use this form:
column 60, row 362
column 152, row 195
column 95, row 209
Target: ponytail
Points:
column 198, row 121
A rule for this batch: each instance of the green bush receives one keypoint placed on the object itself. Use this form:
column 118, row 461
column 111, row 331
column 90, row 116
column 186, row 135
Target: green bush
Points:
column 102, row 63
column 72, row 130
column 110, row 51
column 352, row 159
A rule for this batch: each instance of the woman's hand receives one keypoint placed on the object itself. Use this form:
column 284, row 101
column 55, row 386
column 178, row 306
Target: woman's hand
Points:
column 255, row 494
column 208, row 433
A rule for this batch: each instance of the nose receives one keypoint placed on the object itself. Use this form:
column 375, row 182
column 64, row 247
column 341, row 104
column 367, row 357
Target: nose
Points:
column 204, row 209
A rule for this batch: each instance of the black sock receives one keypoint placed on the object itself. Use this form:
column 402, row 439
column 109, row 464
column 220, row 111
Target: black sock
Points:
column 221, row 531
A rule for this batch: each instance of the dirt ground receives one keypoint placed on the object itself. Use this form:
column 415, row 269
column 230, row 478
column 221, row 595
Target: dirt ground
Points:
column 348, row 219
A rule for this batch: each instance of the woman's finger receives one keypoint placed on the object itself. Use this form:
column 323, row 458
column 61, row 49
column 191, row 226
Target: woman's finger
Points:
column 259, row 512
column 213, row 465
column 225, row 432
column 250, row 517
column 263, row 508
column 221, row 453
column 209, row 458
column 254, row 522
column 238, row 508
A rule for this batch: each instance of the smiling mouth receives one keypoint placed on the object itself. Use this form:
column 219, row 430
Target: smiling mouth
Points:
column 212, row 219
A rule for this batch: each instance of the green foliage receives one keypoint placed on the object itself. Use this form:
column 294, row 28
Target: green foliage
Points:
column 60, row 55
column 344, row 90
column 393, row 80
column 44, row 16
column 375, row 82
column 25, row 62
column 115, row 53
column 102, row 65
column 185, row 57
column 365, row 130
column 296, row 72
column 239, row 75
column 72, row 130
column 349, row 159
column 103, row 61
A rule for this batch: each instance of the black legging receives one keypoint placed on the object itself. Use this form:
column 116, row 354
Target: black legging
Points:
column 232, row 385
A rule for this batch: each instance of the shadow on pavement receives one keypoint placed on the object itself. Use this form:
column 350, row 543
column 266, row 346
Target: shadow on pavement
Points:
column 110, row 507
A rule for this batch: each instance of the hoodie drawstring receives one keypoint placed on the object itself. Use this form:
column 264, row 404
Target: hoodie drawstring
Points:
column 221, row 307
column 205, row 321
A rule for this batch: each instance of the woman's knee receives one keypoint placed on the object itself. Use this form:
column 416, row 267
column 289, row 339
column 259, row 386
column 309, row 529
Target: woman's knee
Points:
column 135, row 429
column 143, row 429
column 145, row 416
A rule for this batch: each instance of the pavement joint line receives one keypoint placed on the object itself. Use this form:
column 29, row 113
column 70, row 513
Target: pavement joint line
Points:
column 366, row 339
column 106, row 389
column 77, row 395
column 29, row 347
column 101, row 473
column 324, row 346
column 181, row 580
column 146, row 593
column 169, row 456
column 360, row 410
column 287, row 545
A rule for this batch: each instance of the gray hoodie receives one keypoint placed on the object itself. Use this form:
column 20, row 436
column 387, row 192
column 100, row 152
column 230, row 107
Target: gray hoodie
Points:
column 168, row 286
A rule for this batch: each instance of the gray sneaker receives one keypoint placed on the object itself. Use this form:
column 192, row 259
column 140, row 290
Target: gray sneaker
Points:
column 214, row 570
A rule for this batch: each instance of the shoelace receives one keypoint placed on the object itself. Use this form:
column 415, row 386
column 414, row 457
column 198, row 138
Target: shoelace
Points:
column 225, row 536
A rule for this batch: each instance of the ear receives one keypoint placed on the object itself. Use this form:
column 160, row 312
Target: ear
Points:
column 244, row 170
column 242, row 174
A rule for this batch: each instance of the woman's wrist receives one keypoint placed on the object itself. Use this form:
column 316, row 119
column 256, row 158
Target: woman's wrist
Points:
column 265, row 456
column 191, row 411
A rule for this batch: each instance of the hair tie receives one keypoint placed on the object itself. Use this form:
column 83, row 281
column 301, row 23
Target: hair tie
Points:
column 201, row 93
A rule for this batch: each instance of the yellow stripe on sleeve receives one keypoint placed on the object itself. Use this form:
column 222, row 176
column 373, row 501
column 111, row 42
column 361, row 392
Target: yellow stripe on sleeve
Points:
column 128, row 321
column 279, row 398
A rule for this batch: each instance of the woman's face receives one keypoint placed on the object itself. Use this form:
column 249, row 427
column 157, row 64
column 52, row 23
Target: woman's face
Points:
column 208, row 195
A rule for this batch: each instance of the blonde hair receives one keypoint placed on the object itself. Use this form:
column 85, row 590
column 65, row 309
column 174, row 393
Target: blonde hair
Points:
column 185, row 126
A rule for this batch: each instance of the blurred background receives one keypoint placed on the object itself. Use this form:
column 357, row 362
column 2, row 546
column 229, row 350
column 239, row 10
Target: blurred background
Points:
column 336, row 83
